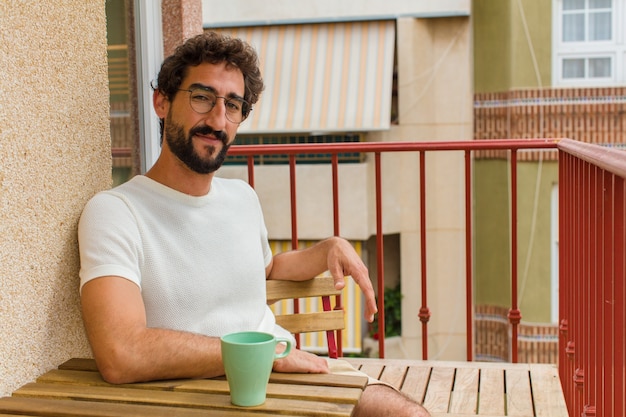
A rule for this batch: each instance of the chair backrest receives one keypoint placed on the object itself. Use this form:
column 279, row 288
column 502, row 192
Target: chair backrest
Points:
column 329, row 320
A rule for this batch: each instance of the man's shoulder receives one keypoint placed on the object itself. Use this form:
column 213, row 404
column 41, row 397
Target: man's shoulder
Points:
column 233, row 184
column 112, row 196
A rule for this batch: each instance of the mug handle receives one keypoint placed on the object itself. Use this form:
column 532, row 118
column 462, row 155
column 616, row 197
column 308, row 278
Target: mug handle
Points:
column 287, row 349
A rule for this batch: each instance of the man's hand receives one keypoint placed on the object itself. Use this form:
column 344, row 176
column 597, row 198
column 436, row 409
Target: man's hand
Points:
column 343, row 261
column 302, row 362
column 333, row 254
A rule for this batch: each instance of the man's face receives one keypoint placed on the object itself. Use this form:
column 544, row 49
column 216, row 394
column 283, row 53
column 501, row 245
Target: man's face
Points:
column 201, row 141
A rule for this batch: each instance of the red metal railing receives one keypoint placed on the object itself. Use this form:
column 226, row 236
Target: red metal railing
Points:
column 592, row 255
column 592, row 240
column 422, row 148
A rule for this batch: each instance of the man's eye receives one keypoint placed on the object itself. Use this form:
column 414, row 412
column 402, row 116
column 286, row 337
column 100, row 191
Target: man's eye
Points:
column 233, row 106
column 203, row 98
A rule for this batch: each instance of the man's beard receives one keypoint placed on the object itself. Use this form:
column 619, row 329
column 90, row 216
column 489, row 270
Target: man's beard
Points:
column 182, row 147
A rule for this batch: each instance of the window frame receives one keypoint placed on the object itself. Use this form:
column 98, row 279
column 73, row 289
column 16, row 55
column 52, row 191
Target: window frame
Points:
column 149, row 56
column 615, row 49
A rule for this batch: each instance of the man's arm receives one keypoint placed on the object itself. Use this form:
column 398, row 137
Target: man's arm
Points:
column 333, row 254
column 126, row 350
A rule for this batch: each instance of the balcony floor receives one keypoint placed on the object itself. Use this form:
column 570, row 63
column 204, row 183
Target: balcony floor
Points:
column 473, row 388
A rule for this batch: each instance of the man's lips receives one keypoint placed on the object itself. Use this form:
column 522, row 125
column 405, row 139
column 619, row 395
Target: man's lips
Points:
column 209, row 135
column 210, row 138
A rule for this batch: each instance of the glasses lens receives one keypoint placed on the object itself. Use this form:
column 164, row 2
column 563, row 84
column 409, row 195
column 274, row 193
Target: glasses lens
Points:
column 234, row 109
column 202, row 101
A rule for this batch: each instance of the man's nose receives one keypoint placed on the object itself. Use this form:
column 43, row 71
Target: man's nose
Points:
column 216, row 118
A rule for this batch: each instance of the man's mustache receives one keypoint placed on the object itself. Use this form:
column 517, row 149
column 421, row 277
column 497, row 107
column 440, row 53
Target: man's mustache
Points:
column 207, row 130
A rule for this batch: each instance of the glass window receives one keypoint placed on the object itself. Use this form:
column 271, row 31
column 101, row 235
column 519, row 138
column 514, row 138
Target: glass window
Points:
column 600, row 26
column 573, row 4
column 574, row 28
column 599, row 67
column 598, row 4
column 587, row 20
column 580, row 68
column 574, row 68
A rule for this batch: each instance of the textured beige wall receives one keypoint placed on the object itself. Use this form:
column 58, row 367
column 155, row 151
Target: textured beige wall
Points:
column 54, row 155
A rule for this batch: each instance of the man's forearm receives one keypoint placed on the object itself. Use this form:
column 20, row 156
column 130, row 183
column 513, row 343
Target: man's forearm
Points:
column 153, row 354
column 302, row 264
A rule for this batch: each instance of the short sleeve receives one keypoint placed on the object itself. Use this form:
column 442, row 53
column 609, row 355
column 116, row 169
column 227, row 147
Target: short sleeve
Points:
column 109, row 239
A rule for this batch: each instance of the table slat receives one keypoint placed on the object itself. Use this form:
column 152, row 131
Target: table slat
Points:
column 519, row 400
column 547, row 391
column 184, row 399
column 79, row 364
column 393, row 375
column 464, row 398
column 88, row 378
column 437, row 398
column 374, row 370
column 69, row 408
column 346, row 389
column 327, row 380
column 491, row 398
column 416, row 382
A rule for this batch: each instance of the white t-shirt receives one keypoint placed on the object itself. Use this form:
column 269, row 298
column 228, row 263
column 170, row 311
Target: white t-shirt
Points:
column 199, row 261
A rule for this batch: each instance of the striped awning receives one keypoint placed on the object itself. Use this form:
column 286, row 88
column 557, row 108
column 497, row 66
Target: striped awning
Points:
column 330, row 77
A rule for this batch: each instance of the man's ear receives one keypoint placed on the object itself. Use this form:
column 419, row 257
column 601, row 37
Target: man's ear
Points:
column 161, row 104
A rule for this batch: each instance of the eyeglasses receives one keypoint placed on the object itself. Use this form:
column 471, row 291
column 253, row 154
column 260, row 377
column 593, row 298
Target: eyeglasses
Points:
column 203, row 100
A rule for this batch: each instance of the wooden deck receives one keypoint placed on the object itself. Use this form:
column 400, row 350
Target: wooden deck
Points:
column 473, row 388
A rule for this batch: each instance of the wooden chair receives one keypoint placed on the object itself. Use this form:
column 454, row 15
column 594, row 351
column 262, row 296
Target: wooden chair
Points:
column 329, row 320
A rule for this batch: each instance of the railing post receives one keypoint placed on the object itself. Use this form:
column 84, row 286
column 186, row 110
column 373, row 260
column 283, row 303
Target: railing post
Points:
column 294, row 223
column 338, row 342
column 469, row 284
column 380, row 257
column 514, row 315
column 619, row 272
column 424, row 313
column 250, row 160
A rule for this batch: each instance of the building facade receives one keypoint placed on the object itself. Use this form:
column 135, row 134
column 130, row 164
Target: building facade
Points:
column 542, row 69
column 366, row 71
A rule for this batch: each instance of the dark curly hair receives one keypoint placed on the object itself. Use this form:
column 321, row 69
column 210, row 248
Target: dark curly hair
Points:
column 213, row 48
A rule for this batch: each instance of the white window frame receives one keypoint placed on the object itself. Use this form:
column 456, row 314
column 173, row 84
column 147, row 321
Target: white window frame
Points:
column 615, row 49
column 149, row 56
column 554, row 254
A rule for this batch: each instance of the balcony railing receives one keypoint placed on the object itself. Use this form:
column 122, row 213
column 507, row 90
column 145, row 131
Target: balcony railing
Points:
column 422, row 148
column 591, row 257
column 592, row 254
column 592, row 271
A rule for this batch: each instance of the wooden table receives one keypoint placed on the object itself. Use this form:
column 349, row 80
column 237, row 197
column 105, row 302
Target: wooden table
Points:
column 77, row 389
column 473, row 388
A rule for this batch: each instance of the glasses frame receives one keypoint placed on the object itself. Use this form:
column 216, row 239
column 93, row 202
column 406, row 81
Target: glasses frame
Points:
column 244, row 103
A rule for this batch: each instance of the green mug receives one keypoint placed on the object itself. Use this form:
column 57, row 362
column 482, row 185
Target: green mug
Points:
column 248, row 359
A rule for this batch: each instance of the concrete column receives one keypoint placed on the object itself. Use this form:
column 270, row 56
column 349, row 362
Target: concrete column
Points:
column 434, row 103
